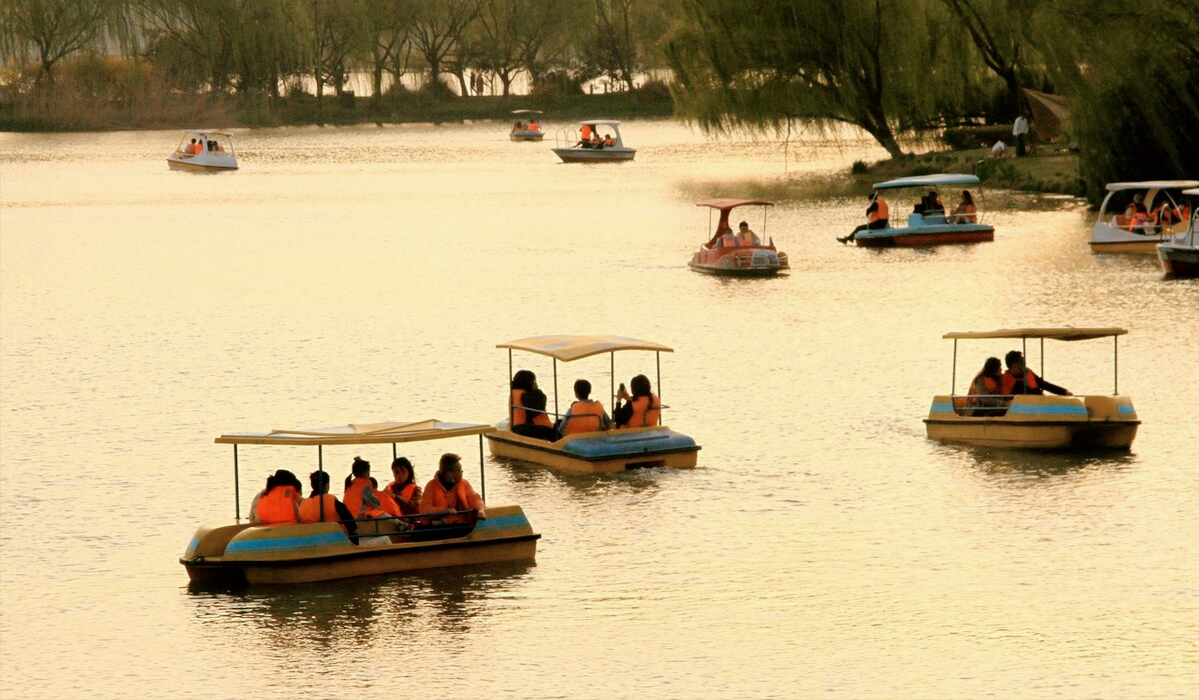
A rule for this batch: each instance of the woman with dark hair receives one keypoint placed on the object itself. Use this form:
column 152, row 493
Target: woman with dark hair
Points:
column 322, row 506
column 522, row 381
column 537, row 423
column 982, row 398
column 642, row 408
column 965, row 213
column 363, row 498
column 403, row 488
column 279, row 502
column 448, row 492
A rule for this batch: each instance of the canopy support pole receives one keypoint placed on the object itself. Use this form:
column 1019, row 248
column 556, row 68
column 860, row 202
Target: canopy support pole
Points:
column 236, row 484
column 482, row 472
column 508, row 410
column 658, row 363
column 320, row 467
column 953, row 375
column 1116, row 365
column 555, row 388
column 612, row 368
column 1042, row 357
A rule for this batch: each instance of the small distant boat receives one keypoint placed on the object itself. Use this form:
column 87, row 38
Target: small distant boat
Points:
column 204, row 151
column 727, row 254
column 1115, row 232
column 1180, row 256
column 240, row 552
column 604, row 146
column 1035, row 421
column 601, row 451
column 526, row 125
column 926, row 226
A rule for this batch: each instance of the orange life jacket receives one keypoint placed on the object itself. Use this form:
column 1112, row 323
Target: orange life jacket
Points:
column 968, row 214
column 516, row 414
column 745, row 238
column 880, row 212
column 435, row 498
column 278, row 506
column 646, row 411
column 585, row 416
column 1010, row 380
column 728, row 240
column 353, row 498
column 407, row 493
column 310, row 509
column 585, row 133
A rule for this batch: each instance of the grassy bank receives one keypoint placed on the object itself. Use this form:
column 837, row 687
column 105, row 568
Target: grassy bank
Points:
column 1045, row 170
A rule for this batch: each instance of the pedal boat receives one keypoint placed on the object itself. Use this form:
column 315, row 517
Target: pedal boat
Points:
column 216, row 152
column 1180, row 256
column 525, row 134
column 1112, row 232
column 1033, row 421
column 602, row 451
column 570, row 148
column 741, row 260
column 926, row 229
column 236, row 552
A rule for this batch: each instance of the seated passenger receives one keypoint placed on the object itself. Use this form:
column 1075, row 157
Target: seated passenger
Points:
column 1136, row 217
column 584, row 415
column 964, row 212
column 322, row 506
column 930, row 204
column 1166, row 214
column 1018, row 379
column 449, row 492
column 983, row 390
column 362, row 497
column 639, row 410
column 877, row 216
column 534, row 125
column 537, row 424
column 279, row 502
column 728, row 239
column 584, row 136
column 522, row 381
column 609, row 141
column 746, row 237
column 403, row 488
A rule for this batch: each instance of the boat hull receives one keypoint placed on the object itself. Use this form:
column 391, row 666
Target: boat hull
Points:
column 749, row 261
column 602, row 452
column 925, row 236
column 526, row 135
column 595, row 155
column 198, row 164
column 1040, row 423
column 1108, row 238
column 1179, row 260
column 241, row 553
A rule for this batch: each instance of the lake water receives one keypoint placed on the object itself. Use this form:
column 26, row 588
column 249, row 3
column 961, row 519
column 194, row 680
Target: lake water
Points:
column 823, row 547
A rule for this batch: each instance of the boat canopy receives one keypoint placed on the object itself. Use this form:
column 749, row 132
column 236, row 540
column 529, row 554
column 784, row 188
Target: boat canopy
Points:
column 1051, row 333
column 723, row 204
column 228, row 134
column 359, row 434
column 526, row 111
column 575, row 347
column 1151, row 185
column 1194, row 192
column 600, row 122
column 943, row 180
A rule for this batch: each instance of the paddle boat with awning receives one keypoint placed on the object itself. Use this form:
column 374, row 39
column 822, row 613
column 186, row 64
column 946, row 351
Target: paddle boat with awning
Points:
column 927, row 224
column 604, row 145
column 1034, row 421
column 204, row 151
column 737, row 253
column 601, row 451
column 239, row 552
column 1131, row 218
column 1180, row 256
column 526, row 125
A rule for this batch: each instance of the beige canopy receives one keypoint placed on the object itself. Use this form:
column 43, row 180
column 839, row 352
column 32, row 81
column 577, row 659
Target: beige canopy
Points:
column 1052, row 333
column 575, row 347
column 359, row 434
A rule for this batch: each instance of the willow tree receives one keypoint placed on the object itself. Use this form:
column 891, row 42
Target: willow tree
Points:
column 51, row 30
column 999, row 30
column 757, row 64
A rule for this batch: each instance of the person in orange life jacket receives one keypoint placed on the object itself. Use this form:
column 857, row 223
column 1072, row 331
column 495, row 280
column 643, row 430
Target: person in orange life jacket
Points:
column 404, row 489
column 1018, row 379
column 877, row 216
column 1166, row 214
column 362, row 496
column 279, row 502
column 537, row 423
column 448, row 492
column 585, row 134
column 320, row 499
column 1136, row 214
column 584, row 415
column 609, row 141
column 522, row 381
column 639, row 410
column 746, row 237
column 930, row 204
column 728, row 239
column 987, row 383
column 964, row 212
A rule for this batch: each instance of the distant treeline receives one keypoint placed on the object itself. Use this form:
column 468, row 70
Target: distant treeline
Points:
column 902, row 70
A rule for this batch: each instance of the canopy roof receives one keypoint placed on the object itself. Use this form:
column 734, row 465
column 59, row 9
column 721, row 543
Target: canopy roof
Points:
column 526, row 111
column 576, row 347
column 730, row 203
column 928, row 181
column 1052, row 333
column 600, row 122
column 359, row 434
column 200, row 132
column 1151, row 185
column 1194, row 191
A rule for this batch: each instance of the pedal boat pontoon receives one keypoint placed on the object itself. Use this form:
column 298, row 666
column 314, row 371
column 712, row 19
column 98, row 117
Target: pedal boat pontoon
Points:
column 602, row 451
column 925, row 229
column 237, row 552
column 741, row 260
column 216, row 152
column 1180, row 256
column 525, row 134
column 1113, row 233
column 1034, row 421
column 570, row 148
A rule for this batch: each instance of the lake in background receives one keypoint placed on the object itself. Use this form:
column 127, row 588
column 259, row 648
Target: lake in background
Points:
column 823, row 547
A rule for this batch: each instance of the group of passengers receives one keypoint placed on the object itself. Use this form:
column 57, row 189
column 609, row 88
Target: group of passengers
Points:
column 589, row 137
column 990, row 390
column 527, row 414
column 878, row 214
column 1138, row 219
column 745, row 237
column 196, row 147
column 447, row 495
column 533, row 125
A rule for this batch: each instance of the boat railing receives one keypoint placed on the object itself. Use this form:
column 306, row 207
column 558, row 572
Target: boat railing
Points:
column 981, row 404
column 416, row 527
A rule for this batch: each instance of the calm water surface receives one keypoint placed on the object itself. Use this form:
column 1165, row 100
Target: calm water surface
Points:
column 823, row 548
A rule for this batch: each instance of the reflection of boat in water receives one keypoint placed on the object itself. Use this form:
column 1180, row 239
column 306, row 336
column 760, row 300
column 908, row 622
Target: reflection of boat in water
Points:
column 601, row 451
column 926, row 226
column 603, row 146
column 204, row 151
column 1033, row 420
column 1180, row 257
column 529, row 130
column 1120, row 229
column 238, row 551
column 727, row 254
